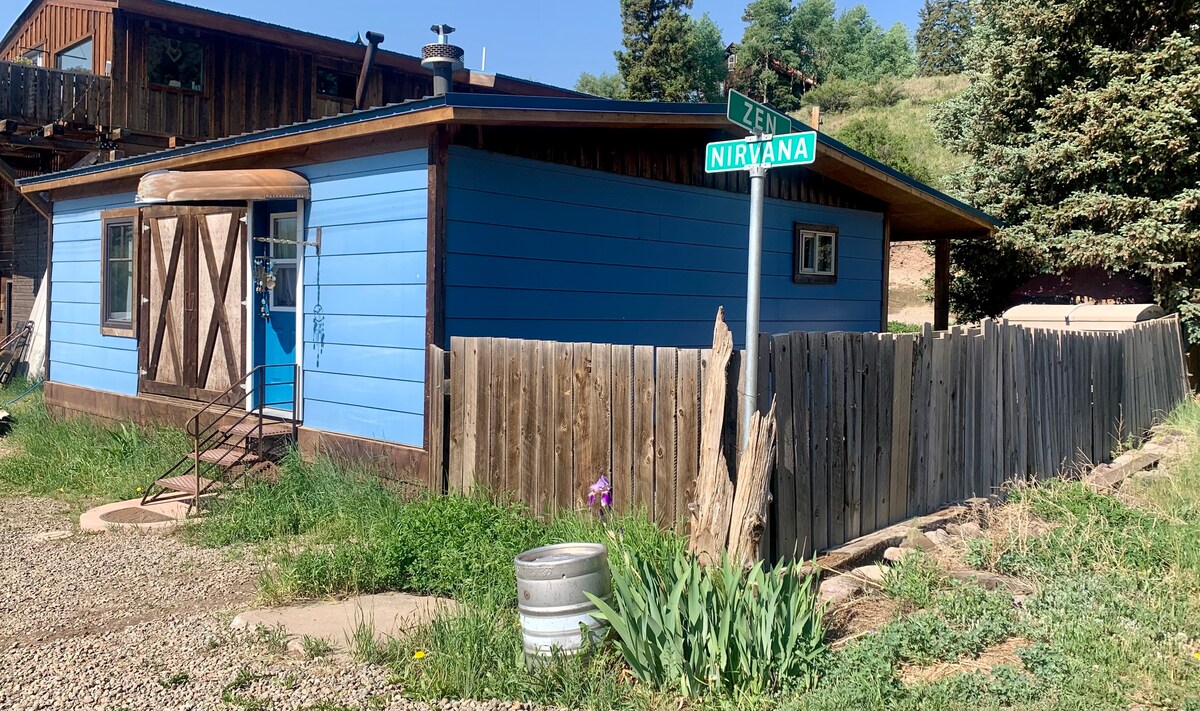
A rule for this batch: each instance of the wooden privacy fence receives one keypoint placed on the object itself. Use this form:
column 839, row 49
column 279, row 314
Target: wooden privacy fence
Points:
column 873, row 428
column 543, row 421
column 876, row 428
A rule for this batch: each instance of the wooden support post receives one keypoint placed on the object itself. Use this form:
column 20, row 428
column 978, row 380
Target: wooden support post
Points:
column 885, row 288
column 8, row 125
column 941, row 285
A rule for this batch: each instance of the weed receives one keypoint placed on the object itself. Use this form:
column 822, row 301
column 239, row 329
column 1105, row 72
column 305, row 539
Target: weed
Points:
column 476, row 652
column 901, row 327
column 365, row 644
column 979, row 553
column 315, row 647
column 275, row 638
column 81, row 460
column 913, row 581
column 173, row 681
column 241, row 681
column 288, row 681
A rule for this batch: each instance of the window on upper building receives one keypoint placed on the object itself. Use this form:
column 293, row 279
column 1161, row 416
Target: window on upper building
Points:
column 76, row 58
column 337, row 84
column 816, row 253
column 35, row 55
column 118, row 284
column 174, row 62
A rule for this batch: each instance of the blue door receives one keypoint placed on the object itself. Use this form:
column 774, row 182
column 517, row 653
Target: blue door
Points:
column 276, row 272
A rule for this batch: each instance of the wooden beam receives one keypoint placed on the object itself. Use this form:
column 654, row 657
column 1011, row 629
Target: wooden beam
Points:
column 941, row 285
column 39, row 202
column 46, row 144
column 8, row 125
column 52, row 130
column 435, row 262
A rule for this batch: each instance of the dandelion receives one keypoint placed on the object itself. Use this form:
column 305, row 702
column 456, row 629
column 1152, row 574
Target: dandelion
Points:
column 62, row 490
column 1196, row 655
column 603, row 489
column 139, row 490
column 419, row 654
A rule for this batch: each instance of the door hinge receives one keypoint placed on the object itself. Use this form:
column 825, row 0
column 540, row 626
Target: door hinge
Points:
column 145, row 299
column 143, row 371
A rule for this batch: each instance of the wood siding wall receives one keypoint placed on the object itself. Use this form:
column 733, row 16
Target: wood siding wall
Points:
column 364, row 297
column 873, row 428
column 79, row 353
column 672, row 157
column 545, row 251
column 249, row 85
column 61, row 25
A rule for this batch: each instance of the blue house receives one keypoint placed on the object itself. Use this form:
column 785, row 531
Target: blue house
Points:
column 322, row 258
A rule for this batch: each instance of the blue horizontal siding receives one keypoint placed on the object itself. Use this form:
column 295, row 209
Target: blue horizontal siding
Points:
column 536, row 250
column 79, row 353
column 364, row 297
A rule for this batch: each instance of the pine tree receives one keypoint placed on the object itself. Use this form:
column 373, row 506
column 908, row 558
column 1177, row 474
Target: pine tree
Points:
column 769, row 47
column 942, row 35
column 1088, row 148
column 604, row 85
column 654, row 63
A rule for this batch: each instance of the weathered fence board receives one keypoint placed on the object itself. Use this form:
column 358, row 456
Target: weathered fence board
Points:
column 873, row 428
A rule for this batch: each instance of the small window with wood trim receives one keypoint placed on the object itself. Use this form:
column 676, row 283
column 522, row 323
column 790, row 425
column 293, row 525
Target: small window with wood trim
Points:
column 815, row 254
column 175, row 63
column 118, row 273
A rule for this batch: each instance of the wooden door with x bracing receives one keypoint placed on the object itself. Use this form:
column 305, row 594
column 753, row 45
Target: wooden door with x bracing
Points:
column 193, row 303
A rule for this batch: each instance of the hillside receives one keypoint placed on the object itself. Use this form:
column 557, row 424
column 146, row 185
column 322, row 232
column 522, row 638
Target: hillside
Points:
column 891, row 122
column 907, row 119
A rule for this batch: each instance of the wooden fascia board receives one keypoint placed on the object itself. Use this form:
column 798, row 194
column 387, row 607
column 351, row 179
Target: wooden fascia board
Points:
column 270, row 145
column 598, row 119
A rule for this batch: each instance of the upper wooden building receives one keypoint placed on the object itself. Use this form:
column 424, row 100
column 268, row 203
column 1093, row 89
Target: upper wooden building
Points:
column 85, row 81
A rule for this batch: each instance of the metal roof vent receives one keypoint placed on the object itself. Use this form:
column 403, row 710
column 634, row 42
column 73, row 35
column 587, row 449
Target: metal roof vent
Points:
column 443, row 59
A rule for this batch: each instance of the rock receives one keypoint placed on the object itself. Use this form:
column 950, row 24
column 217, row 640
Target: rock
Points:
column 871, row 573
column 896, row 553
column 991, row 581
column 970, row 529
column 1152, row 475
column 839, row 589
column 939, row 538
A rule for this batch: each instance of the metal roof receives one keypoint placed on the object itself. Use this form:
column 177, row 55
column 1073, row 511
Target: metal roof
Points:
column 485, row 102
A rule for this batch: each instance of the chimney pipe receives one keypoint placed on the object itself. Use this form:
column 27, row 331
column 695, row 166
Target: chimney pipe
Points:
column 360, row 95
column 442, row 59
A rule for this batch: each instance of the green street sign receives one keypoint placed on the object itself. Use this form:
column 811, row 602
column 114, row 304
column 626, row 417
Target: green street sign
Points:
column 788, row 149
column 755, row 117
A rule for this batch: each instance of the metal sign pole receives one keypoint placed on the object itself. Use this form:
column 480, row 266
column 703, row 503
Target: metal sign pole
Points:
column 753, row 288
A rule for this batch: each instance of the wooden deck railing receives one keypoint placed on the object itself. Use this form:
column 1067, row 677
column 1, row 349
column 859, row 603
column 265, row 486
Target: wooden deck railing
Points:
column 37, row 95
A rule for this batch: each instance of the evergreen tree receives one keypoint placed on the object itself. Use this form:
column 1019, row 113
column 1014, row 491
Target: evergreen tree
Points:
column 1084, row 127
column 942, row 36
column 767, row 44
column 654, row 65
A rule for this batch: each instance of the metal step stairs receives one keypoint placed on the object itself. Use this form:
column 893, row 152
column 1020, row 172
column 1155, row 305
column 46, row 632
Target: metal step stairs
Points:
column 226, row 446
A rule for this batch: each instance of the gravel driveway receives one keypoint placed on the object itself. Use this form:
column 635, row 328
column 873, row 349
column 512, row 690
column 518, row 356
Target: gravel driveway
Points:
column 126, row 621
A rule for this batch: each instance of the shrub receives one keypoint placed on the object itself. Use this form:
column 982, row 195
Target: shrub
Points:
column 872, row 135
column 883, row 94
column 835, row 95
column 716, row 630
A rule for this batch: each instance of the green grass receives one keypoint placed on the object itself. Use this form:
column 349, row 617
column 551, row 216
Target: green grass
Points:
column 901, row 327
column 77, row 459
column 331, row 530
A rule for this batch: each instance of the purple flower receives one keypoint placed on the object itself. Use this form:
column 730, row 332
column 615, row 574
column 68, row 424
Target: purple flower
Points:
column 603, row 487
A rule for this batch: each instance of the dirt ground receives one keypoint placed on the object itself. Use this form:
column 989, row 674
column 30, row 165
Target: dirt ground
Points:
column 907, row 294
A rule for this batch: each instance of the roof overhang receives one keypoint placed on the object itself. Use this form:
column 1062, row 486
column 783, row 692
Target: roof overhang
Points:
column 916, row 211
column 170, row 186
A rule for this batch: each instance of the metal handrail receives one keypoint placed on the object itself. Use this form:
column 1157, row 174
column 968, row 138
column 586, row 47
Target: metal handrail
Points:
column 211, row 435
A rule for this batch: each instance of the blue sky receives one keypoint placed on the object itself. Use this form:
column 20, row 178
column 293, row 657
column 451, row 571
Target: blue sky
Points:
column 550, row 41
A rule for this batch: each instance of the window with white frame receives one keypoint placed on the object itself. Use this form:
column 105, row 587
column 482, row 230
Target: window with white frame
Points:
column 283, row 261
column 118, row 272
column 815, row 253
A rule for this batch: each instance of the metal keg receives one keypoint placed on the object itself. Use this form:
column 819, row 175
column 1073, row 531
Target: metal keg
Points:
column 551, row 582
